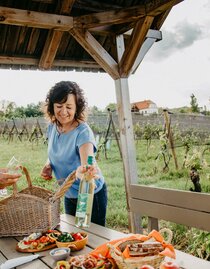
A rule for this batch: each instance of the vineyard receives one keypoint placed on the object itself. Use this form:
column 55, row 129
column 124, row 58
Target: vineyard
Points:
column 167, row 157
column 168, row 136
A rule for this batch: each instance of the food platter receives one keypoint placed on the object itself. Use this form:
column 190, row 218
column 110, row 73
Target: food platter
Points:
column 36, row 250
column 86, row 261
column 37, row 242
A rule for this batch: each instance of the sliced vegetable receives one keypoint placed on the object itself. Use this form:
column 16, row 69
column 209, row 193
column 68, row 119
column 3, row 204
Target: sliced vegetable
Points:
column 65, row 237
column 77, row 236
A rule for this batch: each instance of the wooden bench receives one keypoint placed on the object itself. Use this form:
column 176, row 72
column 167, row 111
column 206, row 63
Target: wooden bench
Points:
column 181, row 207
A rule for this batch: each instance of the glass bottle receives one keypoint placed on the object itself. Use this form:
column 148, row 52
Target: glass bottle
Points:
column 85, row 196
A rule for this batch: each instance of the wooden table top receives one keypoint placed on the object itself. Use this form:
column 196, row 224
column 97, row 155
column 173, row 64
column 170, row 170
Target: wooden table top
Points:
column 97, row 235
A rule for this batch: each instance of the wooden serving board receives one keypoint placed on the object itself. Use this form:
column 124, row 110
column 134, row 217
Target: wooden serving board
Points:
column 35, row 250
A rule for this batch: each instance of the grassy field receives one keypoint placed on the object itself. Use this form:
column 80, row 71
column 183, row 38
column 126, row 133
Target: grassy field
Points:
column 150, row 172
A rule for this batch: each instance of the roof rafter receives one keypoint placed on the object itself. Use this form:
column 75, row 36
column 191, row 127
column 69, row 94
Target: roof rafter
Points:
column 53, row 39
column 136, row 40
column 124, row 15
column 94, row 48
column 35, row 19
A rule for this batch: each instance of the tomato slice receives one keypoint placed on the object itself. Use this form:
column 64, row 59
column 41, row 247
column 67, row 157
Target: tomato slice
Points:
column 77, row 236
column 44, row 239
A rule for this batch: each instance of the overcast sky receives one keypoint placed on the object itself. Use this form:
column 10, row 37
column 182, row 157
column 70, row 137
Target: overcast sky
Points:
column 174, row 68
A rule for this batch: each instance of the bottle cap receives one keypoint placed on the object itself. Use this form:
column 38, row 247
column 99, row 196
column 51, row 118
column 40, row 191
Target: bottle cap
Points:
column 90, row 160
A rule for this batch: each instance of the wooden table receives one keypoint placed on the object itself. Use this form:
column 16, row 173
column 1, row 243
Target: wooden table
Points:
column 97, row 236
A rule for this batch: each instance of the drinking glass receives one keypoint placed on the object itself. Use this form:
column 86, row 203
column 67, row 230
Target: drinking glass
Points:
column 13, row 166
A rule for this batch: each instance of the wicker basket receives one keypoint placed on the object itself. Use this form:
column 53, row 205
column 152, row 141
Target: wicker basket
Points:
column 136, row 262
column 33, row 209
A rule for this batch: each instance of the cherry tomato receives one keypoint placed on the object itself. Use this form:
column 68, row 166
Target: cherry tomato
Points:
column 44, row 239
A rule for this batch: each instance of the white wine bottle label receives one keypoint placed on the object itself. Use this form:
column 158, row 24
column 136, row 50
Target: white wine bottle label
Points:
column 82, row 205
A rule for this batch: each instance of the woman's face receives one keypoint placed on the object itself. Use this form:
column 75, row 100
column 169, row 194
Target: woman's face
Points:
column 65, row 112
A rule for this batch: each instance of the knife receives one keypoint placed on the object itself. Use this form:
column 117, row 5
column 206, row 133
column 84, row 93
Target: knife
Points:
column 18, row 261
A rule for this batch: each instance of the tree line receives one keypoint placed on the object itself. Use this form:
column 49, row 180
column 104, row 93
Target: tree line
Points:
column 9, row 110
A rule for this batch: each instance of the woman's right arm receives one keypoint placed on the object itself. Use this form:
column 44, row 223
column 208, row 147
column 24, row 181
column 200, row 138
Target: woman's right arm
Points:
column 46, row 172
column 7, row 179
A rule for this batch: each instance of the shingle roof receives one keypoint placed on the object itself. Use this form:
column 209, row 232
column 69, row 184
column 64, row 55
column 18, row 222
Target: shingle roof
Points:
column 142, row 104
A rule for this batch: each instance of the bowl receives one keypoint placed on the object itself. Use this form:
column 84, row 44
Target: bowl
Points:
column 74, row 245
column 59, row 254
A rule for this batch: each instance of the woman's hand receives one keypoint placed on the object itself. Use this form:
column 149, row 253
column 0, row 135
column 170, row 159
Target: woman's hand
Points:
column 90, row 171
column 46, row 172
column 7, row 179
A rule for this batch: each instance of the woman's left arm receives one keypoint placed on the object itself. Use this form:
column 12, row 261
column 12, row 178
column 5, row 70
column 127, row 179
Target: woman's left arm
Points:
column 85, row 150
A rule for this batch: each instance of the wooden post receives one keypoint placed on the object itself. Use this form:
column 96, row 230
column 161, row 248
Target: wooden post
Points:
column 115, row 133
column 127, row 139
column 170, row 137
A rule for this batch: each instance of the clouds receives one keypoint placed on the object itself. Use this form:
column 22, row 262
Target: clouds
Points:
column 183, row 35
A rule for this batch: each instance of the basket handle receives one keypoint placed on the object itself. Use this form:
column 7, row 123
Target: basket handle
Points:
column 25, row 171
column 169, row 234
column 63, row 188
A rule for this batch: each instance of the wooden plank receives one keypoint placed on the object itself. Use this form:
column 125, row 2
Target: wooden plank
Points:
column 59, row 63
column 50, row 49
column 136, row 40
column 189, row 217
column 35, row 19
column 93, row 47
column 104, row 232
column 53, row 39
column 2, row 259
column 151, row 37
column 187, row 261
column 127, row 143
column 178, row 198
column 8, row 245
column 124, row 15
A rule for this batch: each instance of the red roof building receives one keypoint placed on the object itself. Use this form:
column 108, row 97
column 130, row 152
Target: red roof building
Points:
column 146, row 107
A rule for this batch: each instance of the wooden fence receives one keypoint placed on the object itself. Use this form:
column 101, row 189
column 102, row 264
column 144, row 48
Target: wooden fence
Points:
column 24, row 129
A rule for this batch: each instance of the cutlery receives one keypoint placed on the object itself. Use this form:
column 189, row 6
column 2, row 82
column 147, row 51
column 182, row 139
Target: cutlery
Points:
column 18, row 261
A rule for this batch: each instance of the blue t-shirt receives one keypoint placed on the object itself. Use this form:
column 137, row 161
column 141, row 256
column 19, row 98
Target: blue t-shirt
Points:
column 63, row 154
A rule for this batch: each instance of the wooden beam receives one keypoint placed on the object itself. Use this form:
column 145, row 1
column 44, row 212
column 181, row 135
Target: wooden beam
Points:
column 66, row 6
column 34, row 36
column 27, row 18
column 137, row 38
column 50, row 49
column 109, row 17
column 151, row 37
column 57, row 63
column 159, row 20
column 53, row 39
column 94, row 48
column 126, row 136
column 154, row 8
column 96, row 6
column 124, row 15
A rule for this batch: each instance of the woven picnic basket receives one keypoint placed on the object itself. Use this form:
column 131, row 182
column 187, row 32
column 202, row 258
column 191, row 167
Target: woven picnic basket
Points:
column 136, row 262
column 33, row 209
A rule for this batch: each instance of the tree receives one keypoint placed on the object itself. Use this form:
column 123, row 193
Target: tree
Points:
column 111, row 107
column 9, row 110
column 194, row 104
column 95, row 110
column 33, row 110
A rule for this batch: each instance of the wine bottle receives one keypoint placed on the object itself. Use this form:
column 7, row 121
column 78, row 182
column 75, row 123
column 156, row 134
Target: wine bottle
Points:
column 85, row 196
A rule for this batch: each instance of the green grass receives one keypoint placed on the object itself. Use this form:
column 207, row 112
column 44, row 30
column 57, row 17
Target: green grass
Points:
column 34, row 155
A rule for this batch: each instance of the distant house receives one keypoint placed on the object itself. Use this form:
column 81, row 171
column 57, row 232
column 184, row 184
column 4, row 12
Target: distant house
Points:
column 146, row 107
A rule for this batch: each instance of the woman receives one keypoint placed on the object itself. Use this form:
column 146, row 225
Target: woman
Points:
column 70, row 141
column 7, row 179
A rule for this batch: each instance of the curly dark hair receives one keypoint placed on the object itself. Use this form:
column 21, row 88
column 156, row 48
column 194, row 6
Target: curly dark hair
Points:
column 59, row 94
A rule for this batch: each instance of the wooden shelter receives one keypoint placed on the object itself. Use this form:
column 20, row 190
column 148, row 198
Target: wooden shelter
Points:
column 109, row 36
